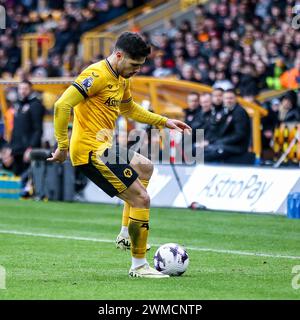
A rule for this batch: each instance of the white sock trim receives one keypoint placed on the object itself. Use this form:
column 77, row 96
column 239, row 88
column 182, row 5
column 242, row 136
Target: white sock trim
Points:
column 137, row 262
column 124, row 232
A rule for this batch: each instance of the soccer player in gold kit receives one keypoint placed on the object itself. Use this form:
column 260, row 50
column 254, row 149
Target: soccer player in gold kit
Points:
column 99, row 95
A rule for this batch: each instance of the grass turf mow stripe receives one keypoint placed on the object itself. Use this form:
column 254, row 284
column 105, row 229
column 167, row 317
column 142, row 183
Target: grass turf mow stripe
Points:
column 222, row 251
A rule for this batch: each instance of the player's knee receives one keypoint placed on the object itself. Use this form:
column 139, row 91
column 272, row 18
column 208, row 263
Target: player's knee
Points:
column 147, row 170
column 142, row 200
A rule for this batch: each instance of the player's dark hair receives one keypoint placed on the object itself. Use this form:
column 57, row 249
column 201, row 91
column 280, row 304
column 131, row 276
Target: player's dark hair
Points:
column 133, row 45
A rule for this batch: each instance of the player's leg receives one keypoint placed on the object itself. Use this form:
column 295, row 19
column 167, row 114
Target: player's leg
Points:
column 144, row 168
column 122, row 180
column 138, row 228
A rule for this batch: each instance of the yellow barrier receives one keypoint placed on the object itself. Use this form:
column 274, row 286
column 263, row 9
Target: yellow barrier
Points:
column 34, row 46
column 95, row 44
column 167, row 97
column 282, row 137
column 188, row 3
column 270, row 94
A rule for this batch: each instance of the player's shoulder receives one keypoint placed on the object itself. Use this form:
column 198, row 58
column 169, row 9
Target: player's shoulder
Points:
column 91, row 79
column 96, row 69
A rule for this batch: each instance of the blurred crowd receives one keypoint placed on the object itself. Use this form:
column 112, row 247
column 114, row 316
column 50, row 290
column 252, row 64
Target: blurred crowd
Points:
column 247, row 45
column 67, row 20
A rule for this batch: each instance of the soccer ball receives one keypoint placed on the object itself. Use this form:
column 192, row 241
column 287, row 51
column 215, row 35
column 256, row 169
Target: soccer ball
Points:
column 171, row 259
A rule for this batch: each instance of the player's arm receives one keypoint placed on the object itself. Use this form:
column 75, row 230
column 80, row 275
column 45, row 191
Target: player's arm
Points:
column 132, row 110
column 88, row 83
column 62, row 109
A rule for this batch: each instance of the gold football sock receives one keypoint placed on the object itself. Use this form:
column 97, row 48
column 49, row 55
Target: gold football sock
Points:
column 125, row 216
column 138, row 229
column 145, row 183
column 126, row 209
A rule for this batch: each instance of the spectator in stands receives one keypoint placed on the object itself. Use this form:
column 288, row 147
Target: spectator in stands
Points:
column 12, row 51
column 206, row 107
column 187, row 73
column 90, row 21
column 3, row 142
column 193, row 110
column 290, row 79
column 288, row 110
column 116, row 9
column 217, row 99
column 218, row 114
column 222, row 81
column 197, row 114
column 261, row 75
column 28, row 127
column 160, row 70
column 233, row 135
column 269, row 123
column 64, row 34
column 247, row 82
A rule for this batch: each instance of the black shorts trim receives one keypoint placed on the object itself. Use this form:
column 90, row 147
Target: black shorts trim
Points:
column 123, row 172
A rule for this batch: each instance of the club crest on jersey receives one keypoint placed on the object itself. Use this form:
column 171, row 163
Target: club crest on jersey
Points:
column 87, row 83
column 127, row 173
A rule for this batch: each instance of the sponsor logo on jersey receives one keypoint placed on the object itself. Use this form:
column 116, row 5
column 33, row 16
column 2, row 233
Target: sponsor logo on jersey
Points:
column 112, row 102
column 95, row 75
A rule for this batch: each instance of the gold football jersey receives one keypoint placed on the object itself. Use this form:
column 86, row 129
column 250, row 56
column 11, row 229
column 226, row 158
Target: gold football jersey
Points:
column 96, row 115
column 100, row 96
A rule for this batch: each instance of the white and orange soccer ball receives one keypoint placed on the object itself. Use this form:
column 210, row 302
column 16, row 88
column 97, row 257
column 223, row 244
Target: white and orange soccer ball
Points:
column 171, row 259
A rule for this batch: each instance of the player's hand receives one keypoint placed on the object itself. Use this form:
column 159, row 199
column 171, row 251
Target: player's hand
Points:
column 177, row 125
column 58, row 156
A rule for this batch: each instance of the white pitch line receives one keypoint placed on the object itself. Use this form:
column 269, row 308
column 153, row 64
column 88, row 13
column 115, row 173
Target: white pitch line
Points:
column 236, row 252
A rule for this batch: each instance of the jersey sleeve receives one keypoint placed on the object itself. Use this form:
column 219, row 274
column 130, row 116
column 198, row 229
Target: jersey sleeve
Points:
column 127, row 98
column 89, row 82
column 62, row 109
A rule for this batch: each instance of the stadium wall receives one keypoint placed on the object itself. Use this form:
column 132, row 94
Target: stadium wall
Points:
column 242, row 189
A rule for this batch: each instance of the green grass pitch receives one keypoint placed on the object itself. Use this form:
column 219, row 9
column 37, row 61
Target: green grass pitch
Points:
column 66, row 251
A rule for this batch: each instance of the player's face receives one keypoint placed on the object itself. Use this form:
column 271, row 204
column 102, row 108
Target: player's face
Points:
column 128, row 67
